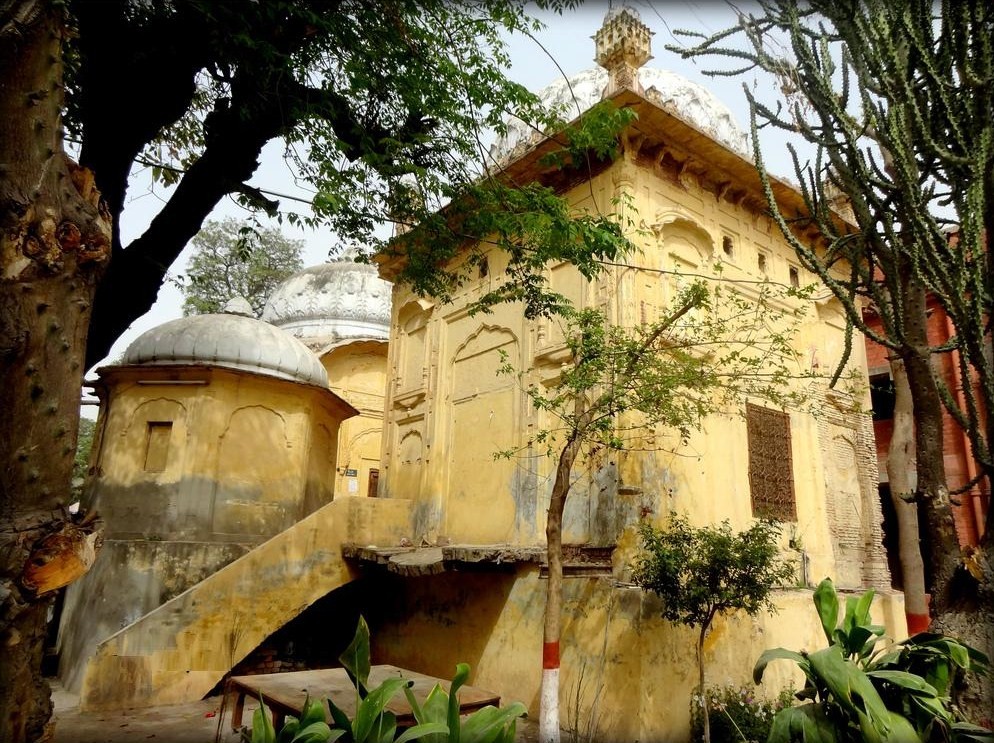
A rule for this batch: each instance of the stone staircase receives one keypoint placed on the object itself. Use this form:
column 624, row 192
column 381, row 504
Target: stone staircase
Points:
column 179, row 652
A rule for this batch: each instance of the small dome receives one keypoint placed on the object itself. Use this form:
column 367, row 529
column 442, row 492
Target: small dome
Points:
column 229, row 341
column 687, row 100
column 334, row 301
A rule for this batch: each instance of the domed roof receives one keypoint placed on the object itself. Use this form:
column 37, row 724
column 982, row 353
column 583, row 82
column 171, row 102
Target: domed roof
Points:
column 229, row 341
column 687, row 100
column 332, row 302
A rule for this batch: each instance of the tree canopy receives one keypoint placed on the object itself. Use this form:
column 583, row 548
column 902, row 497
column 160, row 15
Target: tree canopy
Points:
column 381, row 107
column 234, row 259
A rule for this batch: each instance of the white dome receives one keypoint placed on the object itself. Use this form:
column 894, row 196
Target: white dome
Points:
column 229, row 341
column 687, row 100
column 332, row 302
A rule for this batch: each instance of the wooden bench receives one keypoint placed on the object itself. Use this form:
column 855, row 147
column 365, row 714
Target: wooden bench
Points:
column 284, row 693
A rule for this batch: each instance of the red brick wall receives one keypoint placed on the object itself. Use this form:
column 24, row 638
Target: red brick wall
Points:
column 955, row 445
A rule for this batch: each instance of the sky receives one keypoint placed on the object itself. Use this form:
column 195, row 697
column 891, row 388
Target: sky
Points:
column 565, row 45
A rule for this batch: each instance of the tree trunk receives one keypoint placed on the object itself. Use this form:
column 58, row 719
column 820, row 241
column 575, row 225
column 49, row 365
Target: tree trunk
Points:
column 549, row 701
column 901, row 476
column 700, row 682
column 943, row 546
column 54, row 242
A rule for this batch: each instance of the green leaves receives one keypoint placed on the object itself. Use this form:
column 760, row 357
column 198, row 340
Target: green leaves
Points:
column 438, row 718
column 355, row 659
column 861, row 695
column 702, row 572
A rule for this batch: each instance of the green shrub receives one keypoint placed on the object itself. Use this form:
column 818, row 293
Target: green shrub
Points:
column 857, row 692
column 737, row 714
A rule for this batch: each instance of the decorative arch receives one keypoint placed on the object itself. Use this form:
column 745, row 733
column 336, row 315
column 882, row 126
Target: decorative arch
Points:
column 476, row 359
column 675, row 229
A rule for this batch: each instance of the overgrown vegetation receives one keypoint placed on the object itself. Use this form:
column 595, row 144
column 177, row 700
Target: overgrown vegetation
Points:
column 437, row 717
column 862, row 688
column 737, row 714
column 701, row 573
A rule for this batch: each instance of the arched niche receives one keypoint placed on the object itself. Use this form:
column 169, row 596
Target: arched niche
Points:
column 412, row 342
column 483, row 420
column 680, row 234
column 476, row 360
column 257, row 485
column 152, row 442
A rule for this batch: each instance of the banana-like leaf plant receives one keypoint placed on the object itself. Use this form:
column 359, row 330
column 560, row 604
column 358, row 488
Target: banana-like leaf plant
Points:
column 438, row 719
column 856, row 691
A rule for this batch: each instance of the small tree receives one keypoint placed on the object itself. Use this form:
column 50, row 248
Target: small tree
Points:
column 712, row 349
column 700, row 573
column 235, row 259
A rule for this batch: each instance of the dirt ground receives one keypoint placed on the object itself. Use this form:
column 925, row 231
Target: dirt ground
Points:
column 196, row 722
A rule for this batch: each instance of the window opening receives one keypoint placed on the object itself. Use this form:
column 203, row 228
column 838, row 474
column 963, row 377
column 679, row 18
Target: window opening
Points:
column 882, row 396
column 795, row 277
column 157, row 438
column 728, row 246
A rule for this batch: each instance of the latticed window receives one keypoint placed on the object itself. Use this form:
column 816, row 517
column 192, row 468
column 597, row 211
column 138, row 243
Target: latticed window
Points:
column 771, row 472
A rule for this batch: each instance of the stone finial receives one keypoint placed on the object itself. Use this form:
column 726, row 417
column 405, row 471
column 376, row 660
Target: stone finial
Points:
column 238, row 306
column 623, row 44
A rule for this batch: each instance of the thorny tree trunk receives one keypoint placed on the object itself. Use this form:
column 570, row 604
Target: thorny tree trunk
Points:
column 54, row 240
column 901, row 476
column 943, row 552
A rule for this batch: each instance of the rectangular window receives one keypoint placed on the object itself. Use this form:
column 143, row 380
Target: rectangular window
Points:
column 771, row 471
column 795, row 277
column 374, row 483
column 157, row 445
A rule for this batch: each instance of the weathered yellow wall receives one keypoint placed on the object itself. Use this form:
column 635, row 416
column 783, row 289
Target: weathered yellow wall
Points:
column 635, row 673
column 448, row 412
column 180, row 651
column 238, row 459
column 358, row 373
column 248, row 456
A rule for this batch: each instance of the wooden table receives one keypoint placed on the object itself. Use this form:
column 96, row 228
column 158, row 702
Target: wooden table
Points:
column 284, row 693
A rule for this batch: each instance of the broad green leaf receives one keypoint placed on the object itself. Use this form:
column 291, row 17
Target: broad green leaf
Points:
column 385, row 728
column 341, row 720
column 290, row 728
column 420, row 731
column 371, row 708
column 776, row 654
column 316, row 732
column 262, row 725
column 899, row 730
column 806, row 723
column 827, row 605
column 966, row 731
column 910, row 681
column 313, row 711
column 852, row 689
column 355, row 658
column 486, row 725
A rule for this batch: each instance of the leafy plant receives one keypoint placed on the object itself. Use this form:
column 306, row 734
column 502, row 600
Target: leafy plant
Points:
column 438, row 719
column 737, row 714
column 859, row 692
column 700, row 573
column 487, row 725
